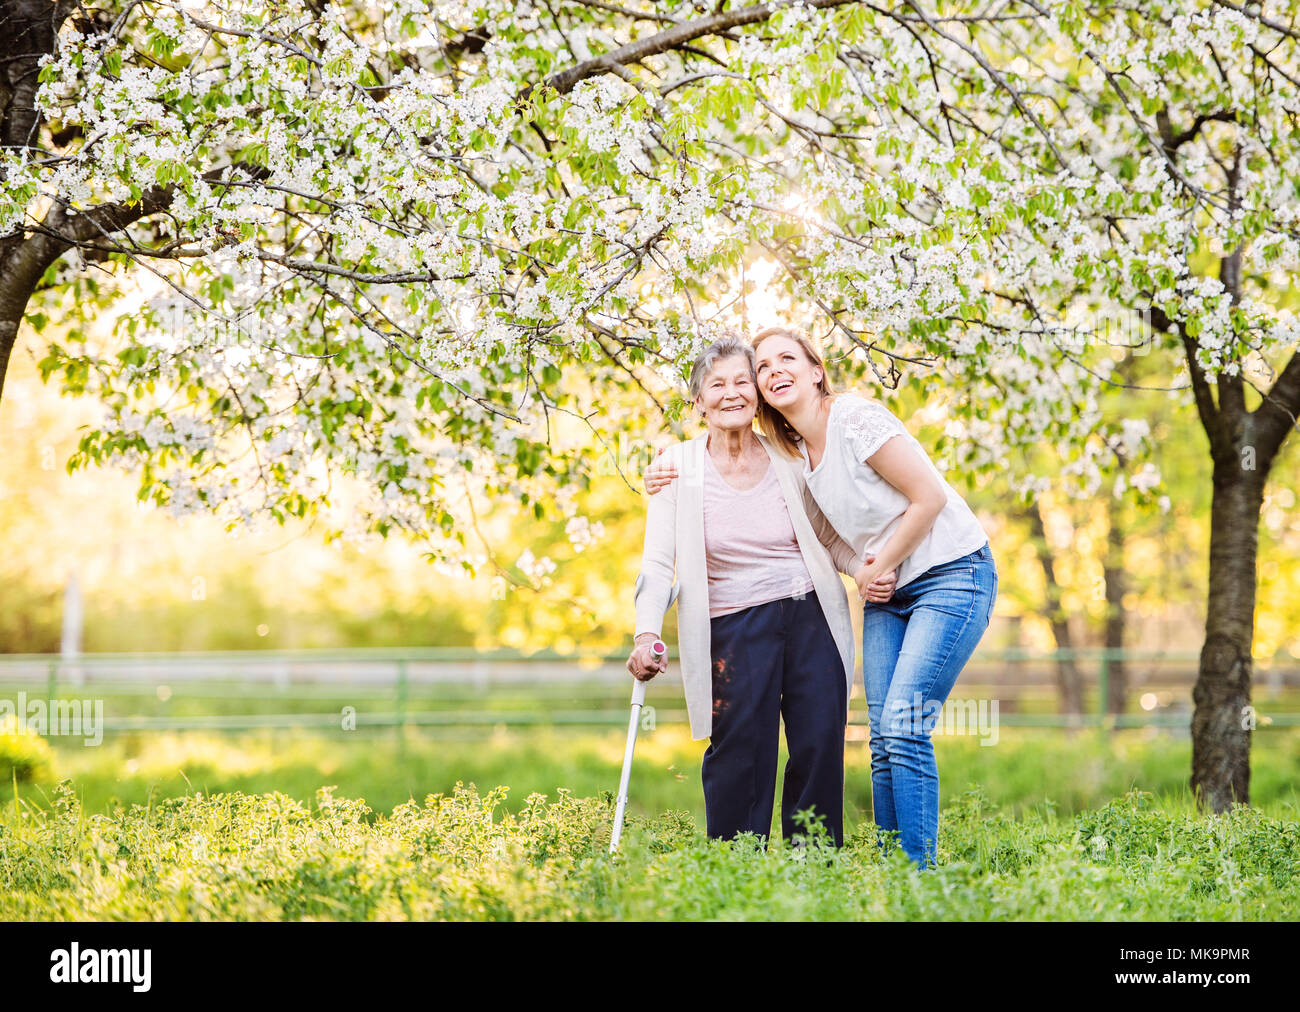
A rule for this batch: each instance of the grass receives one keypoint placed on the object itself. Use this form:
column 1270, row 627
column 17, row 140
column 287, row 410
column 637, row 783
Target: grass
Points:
column 184, row 826
column 1026, row 769
column 464, row 856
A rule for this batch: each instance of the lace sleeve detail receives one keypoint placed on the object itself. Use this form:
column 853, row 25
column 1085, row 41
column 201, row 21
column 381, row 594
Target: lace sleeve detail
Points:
column 868, row 427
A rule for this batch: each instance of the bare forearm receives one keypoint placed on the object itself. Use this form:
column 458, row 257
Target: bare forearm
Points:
column 917, row 521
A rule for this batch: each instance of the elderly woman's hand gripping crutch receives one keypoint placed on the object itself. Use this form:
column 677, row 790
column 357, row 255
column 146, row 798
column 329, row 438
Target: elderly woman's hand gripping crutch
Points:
column 649, row 658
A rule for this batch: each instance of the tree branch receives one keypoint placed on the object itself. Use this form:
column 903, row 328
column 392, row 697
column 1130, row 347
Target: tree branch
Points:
column 661, row 42
column 1276, row 416
column 1232, row 390
column 1173, row 141
column 1205, row 406
column 1258, row 15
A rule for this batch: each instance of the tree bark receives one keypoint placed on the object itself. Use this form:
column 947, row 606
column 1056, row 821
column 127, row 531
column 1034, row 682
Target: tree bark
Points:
column 1069, row 686
column 11, row 317
column 28, row 31
column 1221, row 722
column 1116, row 584
column 1244, row 445
column 22, row 262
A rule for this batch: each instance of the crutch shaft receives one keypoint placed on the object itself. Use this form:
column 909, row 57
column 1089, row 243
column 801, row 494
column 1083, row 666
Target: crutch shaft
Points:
column 638, row 700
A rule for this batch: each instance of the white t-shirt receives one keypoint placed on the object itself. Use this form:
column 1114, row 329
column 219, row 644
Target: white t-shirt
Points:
column 864, row 508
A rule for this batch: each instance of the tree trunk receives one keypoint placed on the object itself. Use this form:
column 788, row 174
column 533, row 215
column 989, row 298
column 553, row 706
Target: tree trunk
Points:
column 1069, row 686
column 1116, row 585
column 28, row 30
column 1244, row 445
column 8, row 338
column 1222, row 721
column 22, row 262
column 15, row 292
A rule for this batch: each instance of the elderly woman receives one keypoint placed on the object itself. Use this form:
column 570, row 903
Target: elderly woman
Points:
column 763, row 620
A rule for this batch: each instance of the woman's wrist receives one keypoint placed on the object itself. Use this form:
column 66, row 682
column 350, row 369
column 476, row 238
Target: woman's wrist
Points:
column 874, row 568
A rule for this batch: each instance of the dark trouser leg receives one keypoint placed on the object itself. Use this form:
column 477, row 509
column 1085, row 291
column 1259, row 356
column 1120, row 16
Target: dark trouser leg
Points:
column 739, row 770
column 815, row 708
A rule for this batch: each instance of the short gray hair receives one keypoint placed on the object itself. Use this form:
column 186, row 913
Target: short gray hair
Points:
column 725, row 347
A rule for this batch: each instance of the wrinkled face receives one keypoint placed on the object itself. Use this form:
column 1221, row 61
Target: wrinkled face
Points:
column 728, row 399
column 785, row 376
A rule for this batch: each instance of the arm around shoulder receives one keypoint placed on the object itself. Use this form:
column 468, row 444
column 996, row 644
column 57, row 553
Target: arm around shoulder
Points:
column 846, row 560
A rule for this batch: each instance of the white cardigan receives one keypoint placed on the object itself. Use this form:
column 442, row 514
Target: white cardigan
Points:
column 674, row 535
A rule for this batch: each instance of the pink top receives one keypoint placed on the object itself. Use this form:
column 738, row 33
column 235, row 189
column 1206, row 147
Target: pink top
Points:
column 750, row 550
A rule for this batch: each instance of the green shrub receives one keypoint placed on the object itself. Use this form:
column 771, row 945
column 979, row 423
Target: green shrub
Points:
column 24, row 756
column 464, row 856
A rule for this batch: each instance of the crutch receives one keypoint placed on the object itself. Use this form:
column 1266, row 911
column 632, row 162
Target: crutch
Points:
column 657, row 650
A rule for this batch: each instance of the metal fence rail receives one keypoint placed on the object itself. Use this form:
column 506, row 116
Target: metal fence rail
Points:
column 455, row 681
column 386, row 665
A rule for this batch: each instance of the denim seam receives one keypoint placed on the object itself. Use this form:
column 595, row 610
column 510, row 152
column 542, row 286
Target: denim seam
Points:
column 952, row 646
column 925, row 698
column 876, row 735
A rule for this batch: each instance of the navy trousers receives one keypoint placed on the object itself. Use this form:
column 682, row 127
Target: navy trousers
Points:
column 771, row 662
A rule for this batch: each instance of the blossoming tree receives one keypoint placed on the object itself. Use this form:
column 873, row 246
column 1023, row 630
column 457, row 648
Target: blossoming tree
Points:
column 424, row 239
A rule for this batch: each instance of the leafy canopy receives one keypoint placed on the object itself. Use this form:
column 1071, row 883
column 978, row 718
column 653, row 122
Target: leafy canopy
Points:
column 431, row 247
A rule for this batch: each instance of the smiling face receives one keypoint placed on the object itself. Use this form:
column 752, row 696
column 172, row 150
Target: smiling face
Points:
column 728, row 399
column 786, row 377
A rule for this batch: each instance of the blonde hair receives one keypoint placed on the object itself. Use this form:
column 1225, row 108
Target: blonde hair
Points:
column 770, row 421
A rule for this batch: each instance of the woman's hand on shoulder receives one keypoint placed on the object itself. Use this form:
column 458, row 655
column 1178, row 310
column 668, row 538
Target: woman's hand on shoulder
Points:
column 660, row 474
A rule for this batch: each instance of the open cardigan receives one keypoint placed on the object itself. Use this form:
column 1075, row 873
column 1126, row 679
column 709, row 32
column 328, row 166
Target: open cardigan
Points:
column 674, row 539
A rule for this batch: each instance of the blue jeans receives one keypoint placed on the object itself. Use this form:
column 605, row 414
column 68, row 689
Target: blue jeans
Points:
column 913, row 648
